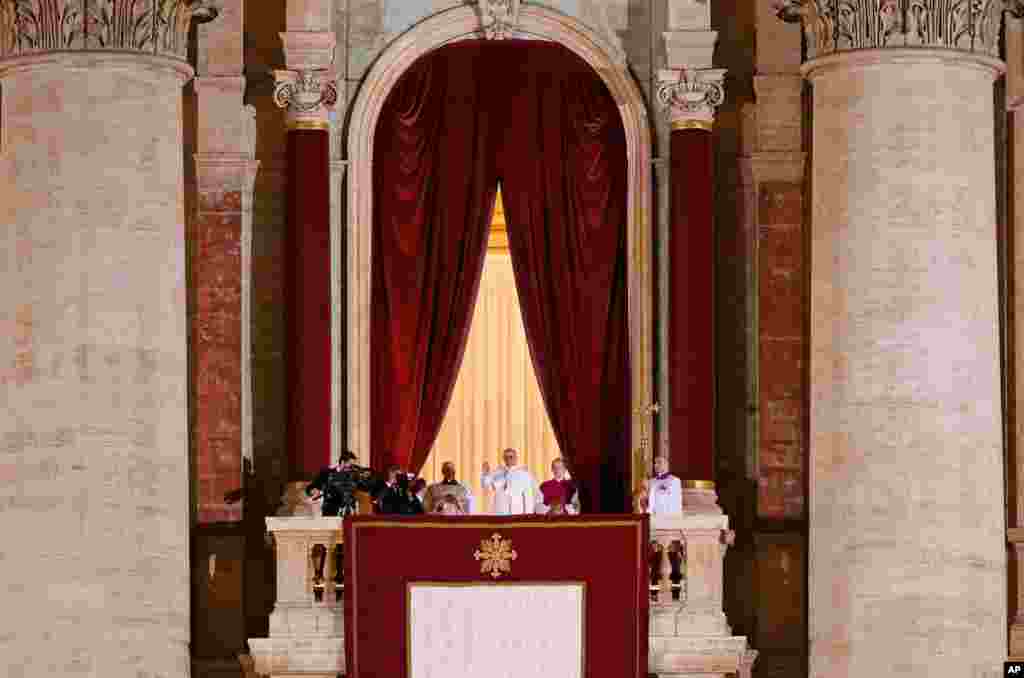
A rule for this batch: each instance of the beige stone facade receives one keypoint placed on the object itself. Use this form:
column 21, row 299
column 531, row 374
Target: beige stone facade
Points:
column 866, row 356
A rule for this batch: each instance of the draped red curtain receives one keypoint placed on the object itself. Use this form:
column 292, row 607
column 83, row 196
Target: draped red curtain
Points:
column 563, row 166
column 536, row 117
column 434, row 189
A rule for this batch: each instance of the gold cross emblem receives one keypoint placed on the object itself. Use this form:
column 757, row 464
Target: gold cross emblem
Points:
column 496, row 555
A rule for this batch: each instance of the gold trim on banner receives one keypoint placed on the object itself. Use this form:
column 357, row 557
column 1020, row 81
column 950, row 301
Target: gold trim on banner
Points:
column 705, row 125
column 699, row 484
column 408, row 611
column 493, row 526
column 308, row 124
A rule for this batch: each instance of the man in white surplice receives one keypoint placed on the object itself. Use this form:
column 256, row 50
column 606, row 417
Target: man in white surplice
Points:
column 515, row 489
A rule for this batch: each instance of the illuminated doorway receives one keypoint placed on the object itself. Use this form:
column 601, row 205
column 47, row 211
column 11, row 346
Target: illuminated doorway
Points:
column 496, row 402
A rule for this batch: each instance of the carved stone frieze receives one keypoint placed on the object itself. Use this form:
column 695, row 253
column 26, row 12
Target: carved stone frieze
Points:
column 150, row 26
column 498, row 18
column 690, row 97
column 308, row 97
column 842, row 25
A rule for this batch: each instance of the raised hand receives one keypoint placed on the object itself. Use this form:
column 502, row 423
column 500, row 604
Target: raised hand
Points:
column 486, row 468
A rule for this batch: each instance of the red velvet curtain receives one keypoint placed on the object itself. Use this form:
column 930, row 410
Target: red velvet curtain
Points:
column 564, row 186
column 534, row 116
column 434, row 190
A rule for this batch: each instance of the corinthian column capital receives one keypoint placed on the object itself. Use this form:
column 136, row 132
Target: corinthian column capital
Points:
column 307, row 95
column 830, row 26
column 158, row 27
column 690, row 97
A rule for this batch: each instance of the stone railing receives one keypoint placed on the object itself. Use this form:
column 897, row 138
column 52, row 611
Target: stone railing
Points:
column 689, row 633
column 307, row 626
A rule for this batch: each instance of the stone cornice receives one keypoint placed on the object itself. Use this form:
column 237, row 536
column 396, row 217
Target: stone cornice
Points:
column 157, row 27
column 308, row 50
column 832, row 26
column 866, row 58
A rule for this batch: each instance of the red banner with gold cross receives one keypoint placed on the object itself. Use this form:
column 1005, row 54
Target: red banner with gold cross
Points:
column 605, row 556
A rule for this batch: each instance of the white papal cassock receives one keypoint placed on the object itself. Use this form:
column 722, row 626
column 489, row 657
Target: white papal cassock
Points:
column 515, row 490
column 666, row 495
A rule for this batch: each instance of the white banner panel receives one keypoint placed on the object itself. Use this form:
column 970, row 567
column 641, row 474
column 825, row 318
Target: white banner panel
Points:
column 495, row 630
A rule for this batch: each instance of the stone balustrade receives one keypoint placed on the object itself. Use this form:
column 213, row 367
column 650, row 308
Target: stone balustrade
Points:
column 307, row 625
column 689, row 634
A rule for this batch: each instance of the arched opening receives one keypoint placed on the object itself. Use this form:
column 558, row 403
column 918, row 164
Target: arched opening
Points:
column 456, row 24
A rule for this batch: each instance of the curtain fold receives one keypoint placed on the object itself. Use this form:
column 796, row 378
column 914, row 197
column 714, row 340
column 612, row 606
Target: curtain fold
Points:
column 536, row 116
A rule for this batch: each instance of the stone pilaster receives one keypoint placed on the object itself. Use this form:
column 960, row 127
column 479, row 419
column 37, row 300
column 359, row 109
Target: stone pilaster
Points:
column 94, row 359
column 221, row 259
column 907, row 528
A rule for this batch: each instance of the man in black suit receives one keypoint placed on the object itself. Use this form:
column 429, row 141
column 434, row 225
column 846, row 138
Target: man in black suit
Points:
column 337, row 484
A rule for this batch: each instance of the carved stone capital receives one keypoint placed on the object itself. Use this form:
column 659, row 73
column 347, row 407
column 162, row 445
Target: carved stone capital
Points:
column 308, row 50
column 690, row 97
column 307, row 96
column 841, row 25
column 498, row 18
column 157, row 27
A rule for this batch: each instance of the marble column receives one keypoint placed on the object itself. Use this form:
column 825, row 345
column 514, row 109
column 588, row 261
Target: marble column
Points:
column 308, row 91
column 907, row 562
column 689, row 92
column 93, row 355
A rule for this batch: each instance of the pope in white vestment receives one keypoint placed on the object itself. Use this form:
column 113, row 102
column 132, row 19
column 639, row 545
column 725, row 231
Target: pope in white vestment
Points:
column 516, row 491
column 665, row 494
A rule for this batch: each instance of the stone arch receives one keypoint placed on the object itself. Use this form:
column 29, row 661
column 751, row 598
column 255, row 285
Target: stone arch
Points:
column 463, row 23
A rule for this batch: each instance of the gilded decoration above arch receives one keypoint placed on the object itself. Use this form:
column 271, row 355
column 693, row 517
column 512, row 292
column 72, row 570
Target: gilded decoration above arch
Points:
column 150, row 26
column 841, row 25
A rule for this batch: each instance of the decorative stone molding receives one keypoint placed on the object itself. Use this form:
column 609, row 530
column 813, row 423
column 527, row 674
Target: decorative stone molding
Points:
column 842, row 25
column 150, row 26
column 307, row 96
column 498, row 18
column 308, row 50
column 690, row 97
column 689, row 49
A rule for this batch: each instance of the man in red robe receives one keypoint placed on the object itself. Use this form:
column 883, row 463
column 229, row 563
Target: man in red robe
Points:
column 560, row 490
